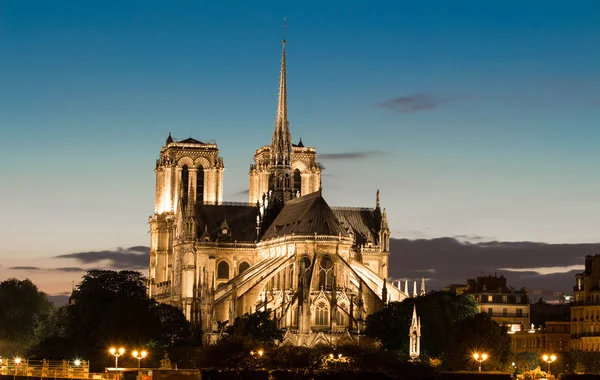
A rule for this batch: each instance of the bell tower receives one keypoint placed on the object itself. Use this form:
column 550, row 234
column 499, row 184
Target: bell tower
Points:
column 284, row 170
column 188, row 172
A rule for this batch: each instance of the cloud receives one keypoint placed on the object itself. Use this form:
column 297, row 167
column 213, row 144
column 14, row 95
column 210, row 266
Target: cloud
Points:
column 413, row 103
column 69, row 269
column 351, row 155
column 546, row 270
column 532, row 265
column 129, row 258
column 26, row 268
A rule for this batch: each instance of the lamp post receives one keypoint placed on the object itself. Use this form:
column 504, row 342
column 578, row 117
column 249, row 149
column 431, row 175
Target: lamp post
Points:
column 549, row 359
column 117, row 353
column 139, row 356
column 17, row 365
column 480, row 358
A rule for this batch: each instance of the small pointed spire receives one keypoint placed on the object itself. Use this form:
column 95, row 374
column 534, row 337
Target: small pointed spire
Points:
column 377, row 201
column 415, row 289
column 281, row 149
column 169, row 139
column 384, row 292
column 423, row 286
column 300, row 144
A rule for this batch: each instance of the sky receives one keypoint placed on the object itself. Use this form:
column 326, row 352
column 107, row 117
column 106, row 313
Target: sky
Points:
column 476, row 120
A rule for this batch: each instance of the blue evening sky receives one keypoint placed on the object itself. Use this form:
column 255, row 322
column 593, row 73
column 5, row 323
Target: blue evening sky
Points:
column 475, row 119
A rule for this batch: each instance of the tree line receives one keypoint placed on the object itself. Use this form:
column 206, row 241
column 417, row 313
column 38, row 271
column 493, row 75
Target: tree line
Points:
column 111, row 308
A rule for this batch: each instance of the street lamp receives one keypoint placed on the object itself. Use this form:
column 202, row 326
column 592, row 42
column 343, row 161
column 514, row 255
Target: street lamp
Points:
column 116, row 353
column 18, row 364
column 549, row 359
column 139, row 356
column 259, row 353
column 480, row 358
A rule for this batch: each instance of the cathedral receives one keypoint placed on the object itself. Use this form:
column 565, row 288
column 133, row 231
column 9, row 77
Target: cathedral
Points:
column 320, row 270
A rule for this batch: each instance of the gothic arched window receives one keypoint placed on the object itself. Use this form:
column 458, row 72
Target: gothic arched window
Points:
column 200, row 185
column 322, row 314
column 185, row 180
column 223, row 269
column 243, row 267
column 326, row 273
column 297, row 182
column 339, row 318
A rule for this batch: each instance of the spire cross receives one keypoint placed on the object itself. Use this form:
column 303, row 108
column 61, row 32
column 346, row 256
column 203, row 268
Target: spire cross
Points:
column 284, row 29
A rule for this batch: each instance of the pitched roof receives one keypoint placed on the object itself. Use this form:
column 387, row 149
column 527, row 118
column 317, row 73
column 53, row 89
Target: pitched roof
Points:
column 190, row 141
column 241, row 220
column 365, row 223
column 305, row 215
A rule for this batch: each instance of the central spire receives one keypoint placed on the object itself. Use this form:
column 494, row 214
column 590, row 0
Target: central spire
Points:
column 281, row 148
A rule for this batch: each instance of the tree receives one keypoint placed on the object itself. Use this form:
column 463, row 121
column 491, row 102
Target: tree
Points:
column 438, row 310
column 23, row 308
column 111, row 309
column 175, row 329
column 258, row 326
column 478, row 334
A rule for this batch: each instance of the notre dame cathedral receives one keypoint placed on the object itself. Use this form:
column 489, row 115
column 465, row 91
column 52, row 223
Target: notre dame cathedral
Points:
column 320, row 270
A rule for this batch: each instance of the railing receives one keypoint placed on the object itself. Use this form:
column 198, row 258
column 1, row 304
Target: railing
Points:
column 45, row 368
column 509, row 315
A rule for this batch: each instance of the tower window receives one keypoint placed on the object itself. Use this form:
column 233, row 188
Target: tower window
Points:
column 185, row 180
column 200, row 185
column 223, row 270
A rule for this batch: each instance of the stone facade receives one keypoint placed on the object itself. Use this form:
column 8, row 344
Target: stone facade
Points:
column 320, row 270
column 585, row 309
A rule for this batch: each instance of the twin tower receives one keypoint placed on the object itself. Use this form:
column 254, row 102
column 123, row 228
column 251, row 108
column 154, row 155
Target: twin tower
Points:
column 192, row 171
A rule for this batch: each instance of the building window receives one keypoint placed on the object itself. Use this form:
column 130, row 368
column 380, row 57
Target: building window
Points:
column 322, row 315
column 490, row 311
column 243, row 267
column 518, row 299
column 223, row 270
column 504, row 299
column 297, row 182
column 339, row 318
column 519, row 312
column 326, row 273
column 504, row 312
column 490, row 298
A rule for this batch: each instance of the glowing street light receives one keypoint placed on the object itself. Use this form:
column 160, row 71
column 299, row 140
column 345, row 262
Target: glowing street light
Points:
column 139, row 356
column 549, row 359
column 259, row 353
column 116, row 353
column 77, row 362
column 480, row 358
column 17, row 365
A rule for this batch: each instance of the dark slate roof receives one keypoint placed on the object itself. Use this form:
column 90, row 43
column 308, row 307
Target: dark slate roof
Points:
column 190, row 141
column 241, row 220
column 308, row 214
column 365, row 223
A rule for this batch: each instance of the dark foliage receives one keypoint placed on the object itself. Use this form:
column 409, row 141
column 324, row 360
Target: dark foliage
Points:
column 257, row 326
column 478, row 334
column 439, row 311
column 22, row 309
column 111, row 309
